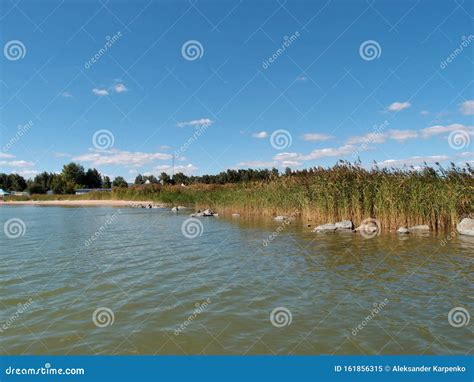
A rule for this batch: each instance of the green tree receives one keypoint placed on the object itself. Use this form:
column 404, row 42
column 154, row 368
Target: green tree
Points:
column 93, row 179
column 165, row 178
column 74, row 173
column 139, row 179
column 106, row 182
column 119, row 182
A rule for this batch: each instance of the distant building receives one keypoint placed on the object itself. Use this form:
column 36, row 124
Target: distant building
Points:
column 20, row 193
column 82, row 191
column 3, row 193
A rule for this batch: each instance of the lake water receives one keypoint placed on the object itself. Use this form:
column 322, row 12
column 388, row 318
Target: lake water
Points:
column 109, row 280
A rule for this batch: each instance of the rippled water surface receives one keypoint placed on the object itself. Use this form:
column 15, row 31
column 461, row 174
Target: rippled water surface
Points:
column 214, row 294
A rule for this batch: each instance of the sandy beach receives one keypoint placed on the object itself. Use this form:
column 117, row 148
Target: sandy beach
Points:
column 82, row 203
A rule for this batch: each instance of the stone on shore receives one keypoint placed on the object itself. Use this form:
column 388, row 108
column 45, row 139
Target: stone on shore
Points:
column 419, row 228
column 466, row 227
column 403, row 230
column 344, row 225
column 325, row 228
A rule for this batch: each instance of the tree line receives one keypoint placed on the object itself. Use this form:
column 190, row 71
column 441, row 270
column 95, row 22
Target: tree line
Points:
column 73, row 176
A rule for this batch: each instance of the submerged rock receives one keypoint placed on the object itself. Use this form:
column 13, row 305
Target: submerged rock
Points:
column 280, row 218
column 403, row 230
column 367, row 228
column 236, row 215
column 325, row 228
column 344, row 225
column 206, row 213
column 466, row 227
column 419, row 228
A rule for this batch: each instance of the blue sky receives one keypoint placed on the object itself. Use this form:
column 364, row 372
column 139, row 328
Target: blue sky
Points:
column 264, row 83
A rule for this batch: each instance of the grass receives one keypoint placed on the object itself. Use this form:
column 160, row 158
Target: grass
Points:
column 437, row 197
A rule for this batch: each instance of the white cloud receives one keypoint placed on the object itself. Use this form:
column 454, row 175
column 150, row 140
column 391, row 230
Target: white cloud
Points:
column 5, row 155
column 61, row 155
column 122, row 158
column 367, row 138
column 119, row 88
column 413, row 161
column 196, row 122
column 402, row 135
column 424, row 112
column 317, row 137
column 467, row 107
column 256, row 164
column 188, row 169
column 317, row 154
column 260, row 135
column 100, row 92
column 466, row 154
column 398, row 106
column 66, row 95
column 27, row 173
column 16, row 163
column 165, row 147
column 441, row 129
column 301, row 78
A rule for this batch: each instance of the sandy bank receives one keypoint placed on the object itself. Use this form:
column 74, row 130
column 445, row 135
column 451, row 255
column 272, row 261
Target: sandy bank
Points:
column 82, row 203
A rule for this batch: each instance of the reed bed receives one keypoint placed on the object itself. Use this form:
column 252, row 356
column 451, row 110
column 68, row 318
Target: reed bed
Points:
column 437, row 197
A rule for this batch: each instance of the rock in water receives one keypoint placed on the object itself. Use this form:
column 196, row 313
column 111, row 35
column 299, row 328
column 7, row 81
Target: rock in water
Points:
column 344, row 225
column 280, row 218
column 325, row 228
column 466, row 227
column 419, row 228
column 403, row 230
column 236, row 215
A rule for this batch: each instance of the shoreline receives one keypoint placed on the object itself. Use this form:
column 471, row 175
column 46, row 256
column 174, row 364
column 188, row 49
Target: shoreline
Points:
column 80, row 203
